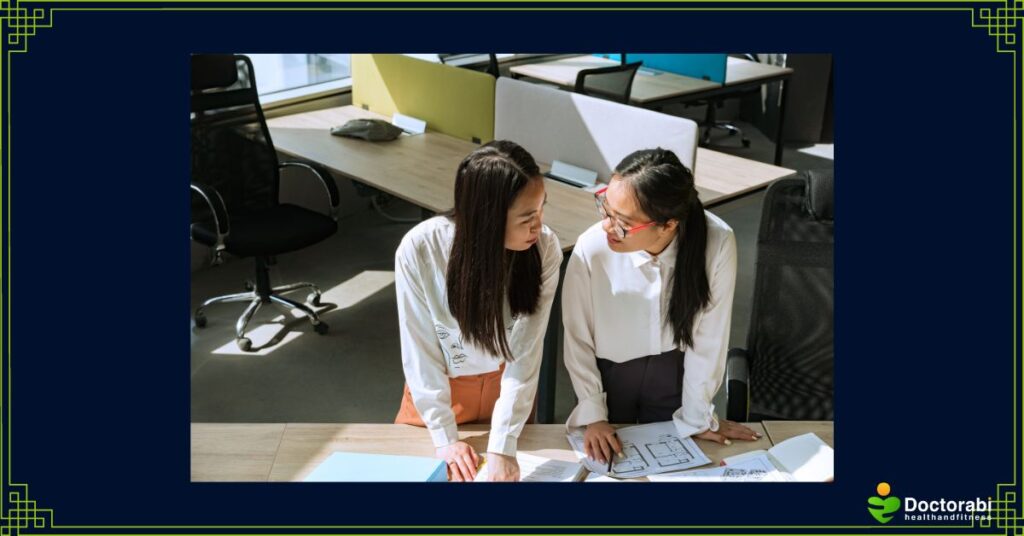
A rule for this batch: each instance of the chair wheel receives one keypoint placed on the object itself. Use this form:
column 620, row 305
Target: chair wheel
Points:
column 314, row 299
column 320, row 328
column 200, row 321
column 746, row 143
column 244, row 344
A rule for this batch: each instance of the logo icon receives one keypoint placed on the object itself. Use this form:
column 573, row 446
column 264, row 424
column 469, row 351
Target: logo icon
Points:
column 883, row 507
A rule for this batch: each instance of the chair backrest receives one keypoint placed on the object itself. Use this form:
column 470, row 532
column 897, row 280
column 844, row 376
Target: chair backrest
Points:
column 231, row 146
column 790, row 342
column 612, row 83
column 492, row 66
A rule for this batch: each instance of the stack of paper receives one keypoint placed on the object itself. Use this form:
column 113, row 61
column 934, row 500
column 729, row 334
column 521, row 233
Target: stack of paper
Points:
column 804, row 458
column 751, row 469
column 538, row 469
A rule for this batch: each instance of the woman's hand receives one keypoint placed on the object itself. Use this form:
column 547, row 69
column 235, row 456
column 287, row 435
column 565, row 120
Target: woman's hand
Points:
column 462, row 461
column 600, row 442
column 729, row 430
column 501, row 468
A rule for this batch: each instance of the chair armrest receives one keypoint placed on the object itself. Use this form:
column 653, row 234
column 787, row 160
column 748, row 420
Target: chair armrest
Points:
column 220, row 216
column 326, row 179
column 737, row 385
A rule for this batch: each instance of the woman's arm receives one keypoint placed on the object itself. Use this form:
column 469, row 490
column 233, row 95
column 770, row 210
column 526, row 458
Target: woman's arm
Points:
column 422, row 359
column 578, row 346
column 519, row 381
column 704, row 363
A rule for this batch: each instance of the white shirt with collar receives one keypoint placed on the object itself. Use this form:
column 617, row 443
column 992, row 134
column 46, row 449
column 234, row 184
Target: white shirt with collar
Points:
column 433, row 348
column 615, row 306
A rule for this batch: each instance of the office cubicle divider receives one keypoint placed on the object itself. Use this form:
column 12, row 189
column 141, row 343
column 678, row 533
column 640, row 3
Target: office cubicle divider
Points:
column 453, row 101
column 584, row 131
column 703, row 66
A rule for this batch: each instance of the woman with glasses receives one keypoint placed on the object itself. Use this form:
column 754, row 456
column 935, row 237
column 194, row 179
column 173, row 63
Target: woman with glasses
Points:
column 474, row 292
column 646, row 304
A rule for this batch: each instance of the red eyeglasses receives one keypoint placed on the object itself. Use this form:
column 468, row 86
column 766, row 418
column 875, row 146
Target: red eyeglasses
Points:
column 620, row 231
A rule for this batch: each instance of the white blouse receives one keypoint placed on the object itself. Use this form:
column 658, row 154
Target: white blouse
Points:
column 433, row 348
column 615, row 306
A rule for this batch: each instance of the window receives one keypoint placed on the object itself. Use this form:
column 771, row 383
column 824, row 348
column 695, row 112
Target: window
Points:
column 288, row 75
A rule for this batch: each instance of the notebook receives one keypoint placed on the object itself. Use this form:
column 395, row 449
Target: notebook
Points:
column 355, row 467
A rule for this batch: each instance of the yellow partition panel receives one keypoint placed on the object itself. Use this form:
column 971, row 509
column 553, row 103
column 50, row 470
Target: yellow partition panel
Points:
column 453, row 101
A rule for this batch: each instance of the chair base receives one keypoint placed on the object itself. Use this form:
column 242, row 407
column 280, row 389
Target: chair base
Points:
column 723, row 125
column 264, row 294
column 710, row 123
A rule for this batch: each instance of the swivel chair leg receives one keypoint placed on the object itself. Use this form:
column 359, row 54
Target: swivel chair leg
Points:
column 243, row 343
column 200, row 314
column 288, row 305
column 313, row 298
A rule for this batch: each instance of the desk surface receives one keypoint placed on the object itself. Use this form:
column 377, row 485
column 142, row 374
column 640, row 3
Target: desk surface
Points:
column 288, row 452
column 421, row 169
column 650, row 87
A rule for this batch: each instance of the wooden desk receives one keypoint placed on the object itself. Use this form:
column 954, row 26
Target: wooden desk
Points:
column 288, row 452
column 653, row 90
column 421, row 169
column 779, row 431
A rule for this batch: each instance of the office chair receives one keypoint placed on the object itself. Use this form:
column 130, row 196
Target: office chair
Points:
column 785, row 372
column 711, row 121
column 235, row 179
column 613, row 83
column 491, row 68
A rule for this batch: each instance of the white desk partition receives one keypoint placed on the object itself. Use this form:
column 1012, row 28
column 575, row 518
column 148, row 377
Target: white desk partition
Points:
column 592, row 133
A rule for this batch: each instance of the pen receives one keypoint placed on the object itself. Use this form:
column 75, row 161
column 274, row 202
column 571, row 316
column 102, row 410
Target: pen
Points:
column 612, row 457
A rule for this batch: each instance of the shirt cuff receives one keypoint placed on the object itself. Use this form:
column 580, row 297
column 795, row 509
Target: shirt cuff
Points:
column 589, row 410
column 442, row 437
column 688, row 425
column 503, row 444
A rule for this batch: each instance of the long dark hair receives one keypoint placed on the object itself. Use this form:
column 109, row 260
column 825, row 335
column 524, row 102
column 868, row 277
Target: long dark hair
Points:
column 664, row 190
column 481, row 272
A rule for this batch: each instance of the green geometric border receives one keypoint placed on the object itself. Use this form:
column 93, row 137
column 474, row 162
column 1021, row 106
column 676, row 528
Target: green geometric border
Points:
column 1003, row 21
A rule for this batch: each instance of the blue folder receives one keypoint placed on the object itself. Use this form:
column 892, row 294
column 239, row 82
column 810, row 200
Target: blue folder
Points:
column 354, row 467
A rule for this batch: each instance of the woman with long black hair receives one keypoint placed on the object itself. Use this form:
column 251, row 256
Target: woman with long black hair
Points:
column 474, row 291
column 647, row 304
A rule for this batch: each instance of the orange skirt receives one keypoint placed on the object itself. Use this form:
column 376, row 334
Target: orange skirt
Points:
column 473, row 399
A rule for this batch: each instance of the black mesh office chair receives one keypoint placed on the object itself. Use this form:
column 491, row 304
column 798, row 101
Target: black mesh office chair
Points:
column 491, row 68
column 235, row 180
column 612, row 83
column 786, row 370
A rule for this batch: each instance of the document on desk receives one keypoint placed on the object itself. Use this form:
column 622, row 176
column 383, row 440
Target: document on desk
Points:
column 755, row 469
column 539, row 469
column 648, row 449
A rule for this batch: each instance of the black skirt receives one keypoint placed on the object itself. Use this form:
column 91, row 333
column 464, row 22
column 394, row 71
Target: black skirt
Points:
column 646, row 389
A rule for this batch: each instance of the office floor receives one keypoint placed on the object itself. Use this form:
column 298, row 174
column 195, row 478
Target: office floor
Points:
column 354, row 373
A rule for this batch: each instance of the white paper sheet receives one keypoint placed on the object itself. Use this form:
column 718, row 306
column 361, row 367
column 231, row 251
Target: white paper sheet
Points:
column 648, row 448
column 755, row 469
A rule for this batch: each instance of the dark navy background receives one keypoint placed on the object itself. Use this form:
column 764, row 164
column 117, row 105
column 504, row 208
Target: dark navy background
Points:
column 100, row 270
